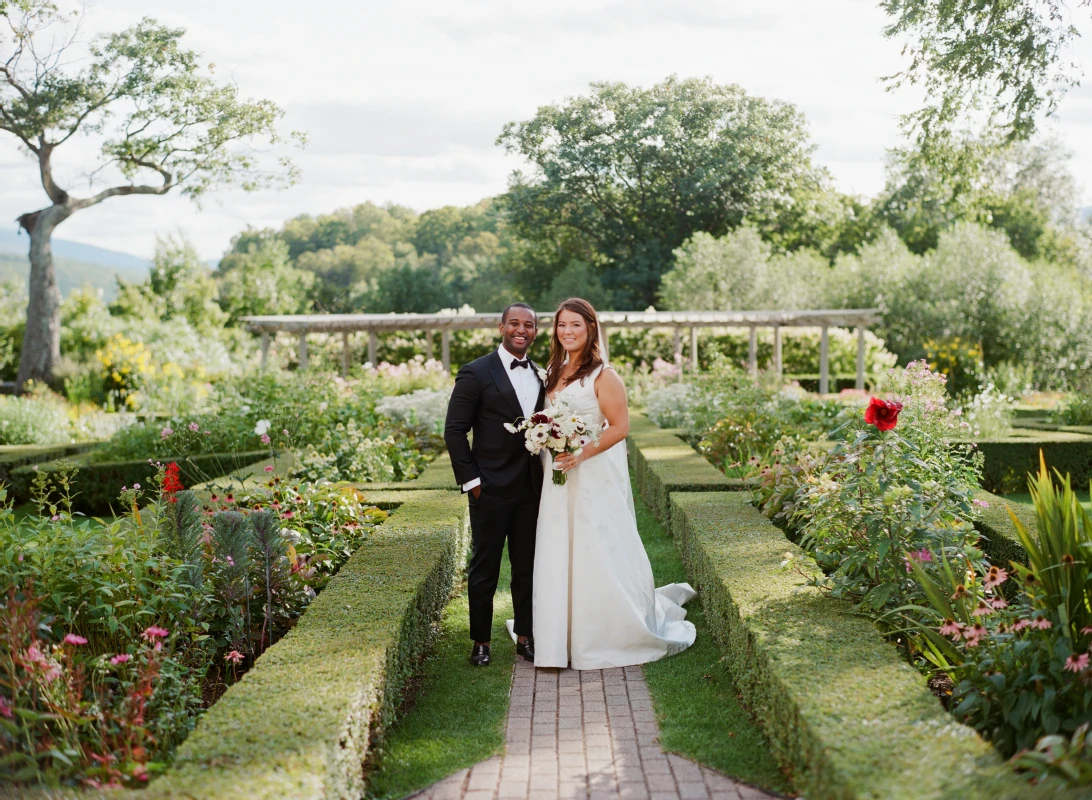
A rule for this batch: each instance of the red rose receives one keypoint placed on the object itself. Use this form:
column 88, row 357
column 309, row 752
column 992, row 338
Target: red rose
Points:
column 884, row 414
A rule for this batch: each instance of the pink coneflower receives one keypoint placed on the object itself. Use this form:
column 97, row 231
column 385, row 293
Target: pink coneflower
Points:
column 120, row 658
column 288, row 515
column 1020, row 624
column 960, row 592
column 153, row 632
column 265, row 438
column 981, row 609
column 995, row 577
column 234, row 657
column 194, row 427
column 951, row 628
column 1041, row 623
column 1077, row 663
column 974, row 634
column 73, row 638
column 269, row 468
column 998, row 602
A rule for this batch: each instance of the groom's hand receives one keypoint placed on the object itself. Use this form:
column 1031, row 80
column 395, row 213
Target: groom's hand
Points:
column 477, row 491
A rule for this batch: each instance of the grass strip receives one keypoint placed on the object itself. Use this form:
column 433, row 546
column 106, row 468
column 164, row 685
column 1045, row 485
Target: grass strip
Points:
column 696, row 703
column 459, row 712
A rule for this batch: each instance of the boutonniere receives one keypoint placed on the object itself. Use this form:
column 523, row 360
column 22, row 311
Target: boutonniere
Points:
column 541, row 375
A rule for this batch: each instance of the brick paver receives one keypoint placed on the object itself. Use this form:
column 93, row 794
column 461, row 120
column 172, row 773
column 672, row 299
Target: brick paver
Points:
column 587, row 735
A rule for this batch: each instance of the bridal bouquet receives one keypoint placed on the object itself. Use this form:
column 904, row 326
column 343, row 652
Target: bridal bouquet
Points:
column 556, row 429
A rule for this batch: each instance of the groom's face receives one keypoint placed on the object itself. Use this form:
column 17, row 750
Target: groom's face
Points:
column 518, row 330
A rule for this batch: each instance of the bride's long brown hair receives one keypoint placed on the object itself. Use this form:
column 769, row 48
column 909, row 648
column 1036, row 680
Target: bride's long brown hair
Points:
column 590, row 357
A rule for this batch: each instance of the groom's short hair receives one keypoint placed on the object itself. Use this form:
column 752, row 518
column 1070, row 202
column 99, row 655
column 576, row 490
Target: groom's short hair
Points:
column 510, row 306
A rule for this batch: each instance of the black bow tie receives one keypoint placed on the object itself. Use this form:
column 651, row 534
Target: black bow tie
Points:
column 517, row 363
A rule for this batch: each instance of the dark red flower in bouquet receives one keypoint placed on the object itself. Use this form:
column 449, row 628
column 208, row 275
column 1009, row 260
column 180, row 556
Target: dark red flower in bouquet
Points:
column 884, row 414
column 172, row 483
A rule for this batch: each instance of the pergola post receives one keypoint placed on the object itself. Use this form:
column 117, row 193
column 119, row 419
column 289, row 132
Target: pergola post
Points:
column 445, row 348
column 694, row 348
column 373, row 348
column 605, row 336
column 345, row 354
column 860, row 357
column 678, row 345
column 303, row 350
column 265, row 350
column 428, row 344
column 824, row 361
column 752, row 350
column 777, row 352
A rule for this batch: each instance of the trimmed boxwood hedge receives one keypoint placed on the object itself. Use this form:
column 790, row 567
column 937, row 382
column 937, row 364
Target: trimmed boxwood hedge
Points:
column 302, row 721
column 436, row 475
column 1008, row 461
column 13, row 456
column 843, row 711
column 98, row 484
column 663, row 463
column 999, row 539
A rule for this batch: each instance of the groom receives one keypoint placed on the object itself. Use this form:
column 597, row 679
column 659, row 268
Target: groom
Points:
column 501, row 479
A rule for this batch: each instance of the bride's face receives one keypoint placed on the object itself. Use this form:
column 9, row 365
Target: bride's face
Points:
column 572, row 331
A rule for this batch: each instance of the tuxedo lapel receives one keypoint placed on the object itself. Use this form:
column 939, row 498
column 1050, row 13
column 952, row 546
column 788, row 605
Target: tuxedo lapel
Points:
column 504, row 384
column 540, row 403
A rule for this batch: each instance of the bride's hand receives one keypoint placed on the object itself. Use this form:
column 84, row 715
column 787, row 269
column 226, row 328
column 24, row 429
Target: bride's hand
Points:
column 569, row 460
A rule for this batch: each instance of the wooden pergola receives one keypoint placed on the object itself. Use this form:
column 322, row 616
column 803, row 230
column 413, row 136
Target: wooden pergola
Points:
column 374, row 324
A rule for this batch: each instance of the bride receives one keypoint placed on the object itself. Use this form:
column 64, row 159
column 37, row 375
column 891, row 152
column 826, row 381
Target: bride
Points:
column 595, row 603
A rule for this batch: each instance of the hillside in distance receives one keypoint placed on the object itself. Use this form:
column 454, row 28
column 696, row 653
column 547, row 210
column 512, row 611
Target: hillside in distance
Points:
column 78, row 265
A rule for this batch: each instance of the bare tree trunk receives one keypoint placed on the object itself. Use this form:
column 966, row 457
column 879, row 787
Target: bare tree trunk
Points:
column 42, row 341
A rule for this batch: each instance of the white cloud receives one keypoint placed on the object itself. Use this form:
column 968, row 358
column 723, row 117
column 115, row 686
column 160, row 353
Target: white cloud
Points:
column 403, row 101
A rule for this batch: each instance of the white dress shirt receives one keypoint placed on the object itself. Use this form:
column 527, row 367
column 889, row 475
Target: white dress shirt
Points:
column 526, row 382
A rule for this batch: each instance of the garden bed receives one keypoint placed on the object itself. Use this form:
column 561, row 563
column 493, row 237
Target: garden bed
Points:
column 842, row 709
column 303, row 719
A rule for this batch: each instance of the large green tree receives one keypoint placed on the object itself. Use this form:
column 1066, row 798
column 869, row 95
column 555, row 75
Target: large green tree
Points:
column 162, row 121
column 1005, row 60
column 623, row 175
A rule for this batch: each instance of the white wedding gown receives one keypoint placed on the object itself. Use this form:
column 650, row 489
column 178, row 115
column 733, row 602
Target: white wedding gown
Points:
column 595, row 603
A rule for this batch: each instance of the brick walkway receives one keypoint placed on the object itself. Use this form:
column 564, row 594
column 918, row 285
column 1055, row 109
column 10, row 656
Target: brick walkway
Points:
column 585, row 736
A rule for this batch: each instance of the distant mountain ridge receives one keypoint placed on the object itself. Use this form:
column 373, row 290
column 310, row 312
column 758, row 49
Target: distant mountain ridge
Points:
column 19, row 244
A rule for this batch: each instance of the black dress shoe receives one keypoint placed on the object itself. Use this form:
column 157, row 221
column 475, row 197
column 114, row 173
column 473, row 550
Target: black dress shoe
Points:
column 526, row 649
column 479, row 656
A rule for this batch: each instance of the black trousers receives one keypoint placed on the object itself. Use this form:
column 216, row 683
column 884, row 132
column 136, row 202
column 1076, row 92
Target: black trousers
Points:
column 493, row 520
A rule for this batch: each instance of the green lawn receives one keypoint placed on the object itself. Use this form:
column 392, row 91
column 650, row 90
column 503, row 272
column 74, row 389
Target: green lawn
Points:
column 459, row 712
column 696, row 704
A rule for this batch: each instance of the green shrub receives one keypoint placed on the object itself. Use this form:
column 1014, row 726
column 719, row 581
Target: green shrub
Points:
column 98, row 484
column 34, row 419
column 844, row 713
column 273, row 735
column 1010, row 460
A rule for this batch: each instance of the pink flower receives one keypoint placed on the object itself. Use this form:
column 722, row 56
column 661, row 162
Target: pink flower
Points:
column 55, row 518
column 995, row 577
column 269, row 468
column 194, row 427
column 1041, row 623
column 951, row 628
column 982, row 609
column 980, row 503
column 72, row 638
column 1077, row 663
column 998, row 602
column 974, row 634
column 153, row 632
column 230, row 561
column 5, row 708
column 120, row 658
column 1020, row 624
column 265, row 438
column 1086, row 631
column 234, row 657
column 166, row 432
column 287, row 515
column 922, row 555
column 285, row 431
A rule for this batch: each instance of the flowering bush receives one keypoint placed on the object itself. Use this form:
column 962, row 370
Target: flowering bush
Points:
column 672, row 406
column 421, row 408
column 989, row 413
column 37, row 418
column 892, row 493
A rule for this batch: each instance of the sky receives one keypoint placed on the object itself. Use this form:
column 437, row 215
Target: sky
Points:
column 403, row 101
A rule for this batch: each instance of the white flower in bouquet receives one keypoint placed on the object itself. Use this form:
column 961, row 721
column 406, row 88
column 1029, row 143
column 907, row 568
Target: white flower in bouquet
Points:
column 555, row 430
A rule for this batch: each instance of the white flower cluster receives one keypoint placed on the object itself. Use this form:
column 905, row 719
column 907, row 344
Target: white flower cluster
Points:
column 557, row 429
column 424, row 408
column 672, row 406
column 989, row 413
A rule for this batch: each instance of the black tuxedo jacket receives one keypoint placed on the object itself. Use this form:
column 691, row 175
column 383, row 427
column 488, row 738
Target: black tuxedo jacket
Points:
column 481, row 402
